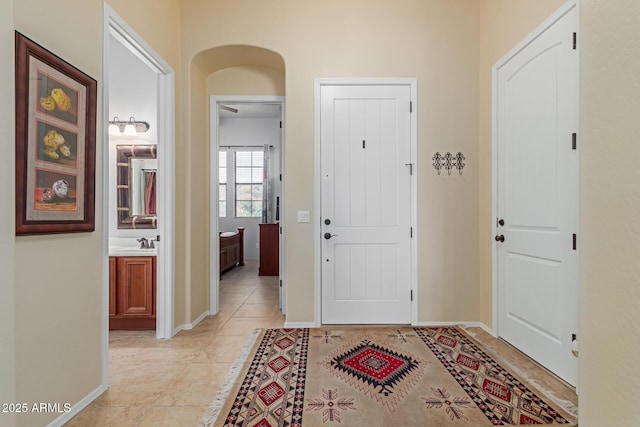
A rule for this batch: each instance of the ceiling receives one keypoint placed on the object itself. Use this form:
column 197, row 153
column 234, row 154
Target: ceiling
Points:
column 250, row 110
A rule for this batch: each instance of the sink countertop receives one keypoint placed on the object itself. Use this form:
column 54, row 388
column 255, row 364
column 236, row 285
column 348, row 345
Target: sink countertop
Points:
column 131, row 251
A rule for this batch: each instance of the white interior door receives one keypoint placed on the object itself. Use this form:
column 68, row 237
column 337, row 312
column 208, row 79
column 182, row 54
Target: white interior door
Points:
column 537, row 200
column 365, row 144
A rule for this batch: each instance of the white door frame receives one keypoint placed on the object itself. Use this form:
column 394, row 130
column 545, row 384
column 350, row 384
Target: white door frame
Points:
column 413, row 85
column 115, row 26
column 494, row 146
column 214, row 142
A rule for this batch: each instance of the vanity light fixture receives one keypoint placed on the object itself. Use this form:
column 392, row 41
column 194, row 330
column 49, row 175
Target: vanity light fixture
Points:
column 130, row 128
column 114, row 126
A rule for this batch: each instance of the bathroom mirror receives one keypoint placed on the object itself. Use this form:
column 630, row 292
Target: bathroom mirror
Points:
column 136, row 186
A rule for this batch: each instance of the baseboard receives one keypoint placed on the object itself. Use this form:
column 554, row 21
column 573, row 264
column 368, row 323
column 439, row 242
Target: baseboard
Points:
column 75, row 409
column 300, row 325
column 189, row 326
column 465, row 324
column 427, row 324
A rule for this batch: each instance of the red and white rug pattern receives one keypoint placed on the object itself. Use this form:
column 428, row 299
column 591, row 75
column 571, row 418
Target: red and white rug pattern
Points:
column 377, row 370
column 503, row 398
column 406, row 376
column 272, row 392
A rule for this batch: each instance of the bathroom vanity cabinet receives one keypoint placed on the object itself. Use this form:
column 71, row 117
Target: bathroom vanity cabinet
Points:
column 132, row 292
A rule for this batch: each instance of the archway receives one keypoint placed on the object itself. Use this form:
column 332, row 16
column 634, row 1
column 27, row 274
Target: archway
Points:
column 242, row 73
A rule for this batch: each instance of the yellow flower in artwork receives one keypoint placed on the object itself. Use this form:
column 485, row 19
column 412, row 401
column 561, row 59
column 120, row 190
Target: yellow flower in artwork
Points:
column 61, row 99
column 53, row 140
column 48, row 103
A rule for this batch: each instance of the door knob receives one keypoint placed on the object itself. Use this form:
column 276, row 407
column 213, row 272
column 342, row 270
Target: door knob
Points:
column 501, row 222
column 329, row 235
column 500, row 238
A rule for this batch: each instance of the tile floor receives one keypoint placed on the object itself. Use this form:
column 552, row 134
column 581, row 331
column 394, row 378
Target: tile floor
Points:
column 173, row 382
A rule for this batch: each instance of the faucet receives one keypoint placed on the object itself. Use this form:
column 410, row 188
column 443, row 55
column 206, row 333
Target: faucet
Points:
column 144, row 243
column 151, row 245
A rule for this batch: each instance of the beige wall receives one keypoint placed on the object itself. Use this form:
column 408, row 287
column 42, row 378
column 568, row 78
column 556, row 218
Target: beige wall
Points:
column 329, row 39
column 246, row 80
column 503, row 24
column 199, row 203
column 58, row 278
column 7, row 314
column 609, row 44
column 157, row 22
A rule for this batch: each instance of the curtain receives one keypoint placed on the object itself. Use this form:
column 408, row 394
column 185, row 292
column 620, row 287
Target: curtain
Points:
column 150, row 192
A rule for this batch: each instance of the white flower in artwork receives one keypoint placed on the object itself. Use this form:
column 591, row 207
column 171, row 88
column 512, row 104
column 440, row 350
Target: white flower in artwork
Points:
column 61, row 188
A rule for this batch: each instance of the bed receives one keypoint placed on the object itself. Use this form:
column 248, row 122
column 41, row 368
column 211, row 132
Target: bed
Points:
column 231, row 249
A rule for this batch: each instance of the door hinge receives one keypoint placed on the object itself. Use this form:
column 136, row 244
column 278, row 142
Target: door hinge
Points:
column 412, row 295
column 411, row 106
column 574, row 141
column 410, row 168
column 157, row 238
column 280, row 124
column 411, row 232
column 575, row 241
column 280, row 282
column 280, row 230
column 575, row 41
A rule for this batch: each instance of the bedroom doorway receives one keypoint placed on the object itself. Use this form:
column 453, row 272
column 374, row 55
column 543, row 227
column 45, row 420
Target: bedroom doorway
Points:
column 247, row 190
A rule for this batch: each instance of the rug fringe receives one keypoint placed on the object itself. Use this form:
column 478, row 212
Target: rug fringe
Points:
column 216, row 406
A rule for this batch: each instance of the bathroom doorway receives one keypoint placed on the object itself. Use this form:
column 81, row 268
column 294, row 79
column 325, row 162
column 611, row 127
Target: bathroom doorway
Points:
column 247, row 185
column 160, row 134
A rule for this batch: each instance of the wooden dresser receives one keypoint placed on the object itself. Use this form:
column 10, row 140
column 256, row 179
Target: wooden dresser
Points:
column 269, row 250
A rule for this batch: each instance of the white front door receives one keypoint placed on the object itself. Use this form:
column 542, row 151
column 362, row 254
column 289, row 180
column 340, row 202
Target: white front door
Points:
column 537, row 200
column 365, row 144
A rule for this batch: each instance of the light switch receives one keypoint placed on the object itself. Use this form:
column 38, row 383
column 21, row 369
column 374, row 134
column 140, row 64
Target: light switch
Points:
column 303, row 216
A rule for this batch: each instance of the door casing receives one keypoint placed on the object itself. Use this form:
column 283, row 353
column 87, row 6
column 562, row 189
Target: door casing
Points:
column 214, row 138
column 319, row 83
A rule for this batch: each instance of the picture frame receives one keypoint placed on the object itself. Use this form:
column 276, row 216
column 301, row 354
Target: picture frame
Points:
column 55, row 143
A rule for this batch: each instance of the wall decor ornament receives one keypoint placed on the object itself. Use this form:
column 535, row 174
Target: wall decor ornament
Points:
column 459, row 164
column 448, row 162
column 437, row 162
column 55, row 143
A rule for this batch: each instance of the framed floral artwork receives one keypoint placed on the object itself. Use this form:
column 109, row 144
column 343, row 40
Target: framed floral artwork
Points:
column 55, row 143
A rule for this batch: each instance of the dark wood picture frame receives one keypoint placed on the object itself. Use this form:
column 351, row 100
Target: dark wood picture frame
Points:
column 55, row 143
column 124, row 154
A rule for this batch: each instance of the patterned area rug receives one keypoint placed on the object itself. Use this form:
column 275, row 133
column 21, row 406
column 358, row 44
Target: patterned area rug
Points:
column 378, row 377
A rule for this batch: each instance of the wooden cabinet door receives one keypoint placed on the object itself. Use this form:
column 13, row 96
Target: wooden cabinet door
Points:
column 132, row 293
column 135, row 293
